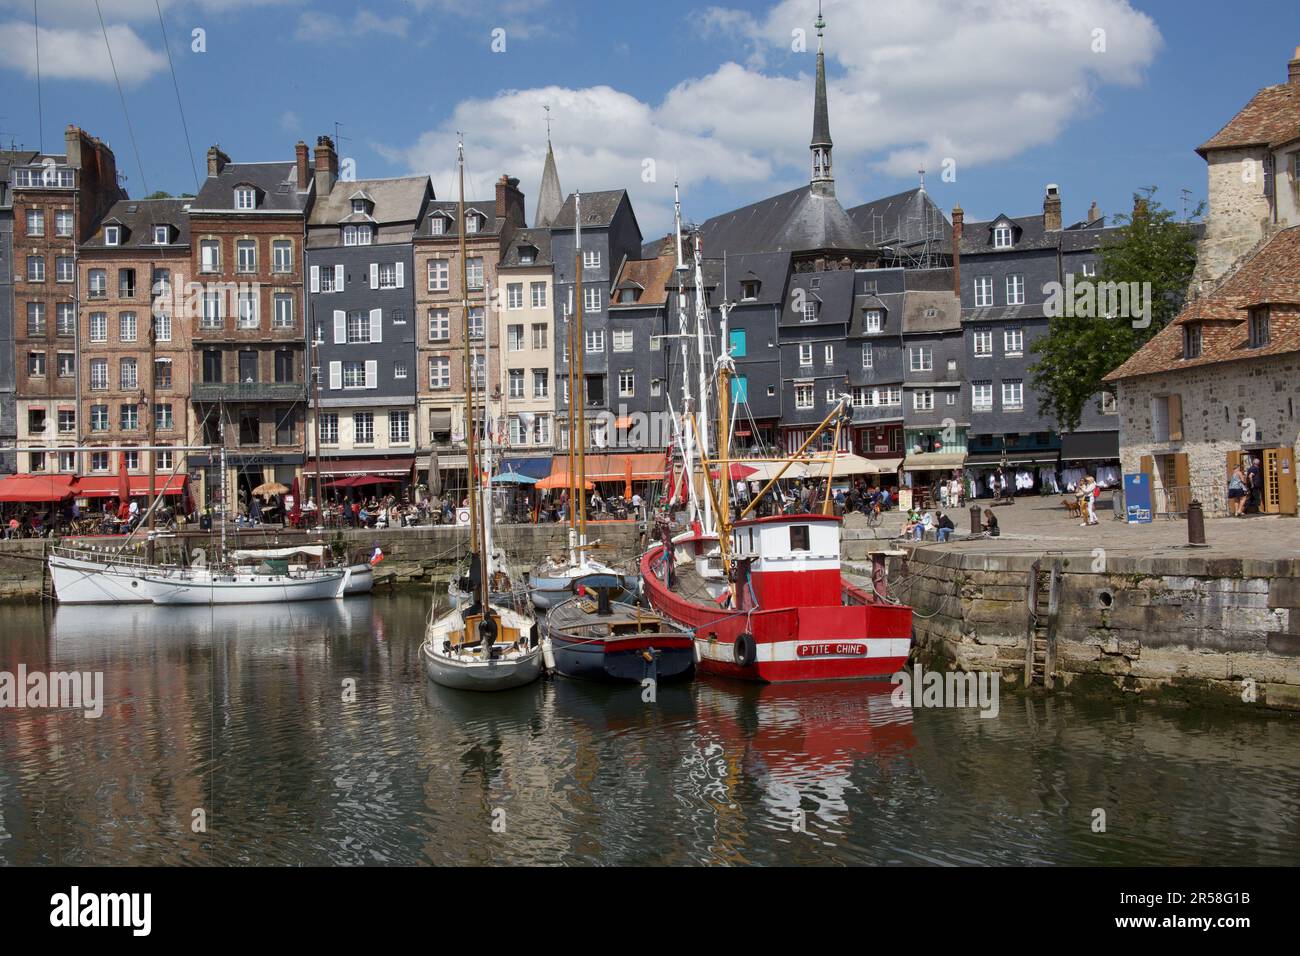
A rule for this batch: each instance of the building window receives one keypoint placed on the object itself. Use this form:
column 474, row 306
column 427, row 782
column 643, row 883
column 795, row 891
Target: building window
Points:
column 538, row 291
column 399, row 428
column 284, row 427
column 388, row 275
column 541, row 383
column 98, row 374
column 250, row 428
column 478, row 372
column 923, row 400
column 594, row 340
column 99, row 418
column 515, row 338
column 867, row 357
column 65, row 269
column 515, row 295
column 282, row 255
column 98, row 283
column 439, row 273
column 245, row 198
column 245, row 256
column 211, row 310
column 805, row 353
column 36, row 364
column 515, row 382
column 828, row 355
column 161, row 235
column 399, row 370
column 477, row 327
column 440, row 372
column 354, row 374
column 329, row 428
column 1015, row 290
column 803, row 396
column 283, row 310
column 1090, row 269
column 99, row 327
column 983, row 343
column 162, row 373
column 128, row 374
column 285, row 366
column 626, row 383
column 67, row 364
column 356, row 235
column 1259, row 325
column 126, row 283
column 921, row 358
column 1013, row 341
column 67, row 421
column 330, row 279
column 358, row 329
column 63, row 223
column 810, row 309
column 437, row 226
column 1013, row 394
column 622, row 340
column 749, row 288
column 591, row 299
column 248, row 318
column 539, row 335
column 474, row 272
column 471, row 223
column 162, row 416
column 36, row 320
column 1108, row 404
column 1192, row 340
column 983, row 291
column 212, row 366
column 590, row 259
column 99, row 459
column 112, row 235
column 439, row 326
column 130, row 416
column 35, row 269
column 1002, row 237
column 209, row 256
column 981, row 396
column 162, row 327
column 35, row 222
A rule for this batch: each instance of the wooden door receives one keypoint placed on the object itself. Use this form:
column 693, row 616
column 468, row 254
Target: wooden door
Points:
column 1279, row 495
column 1182, row 489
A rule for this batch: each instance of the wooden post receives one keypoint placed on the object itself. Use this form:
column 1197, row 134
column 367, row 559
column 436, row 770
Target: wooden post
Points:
column 1053, row 608
column 1031, row 622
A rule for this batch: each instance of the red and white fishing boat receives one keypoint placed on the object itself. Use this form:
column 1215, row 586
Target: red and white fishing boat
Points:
column 785, row 613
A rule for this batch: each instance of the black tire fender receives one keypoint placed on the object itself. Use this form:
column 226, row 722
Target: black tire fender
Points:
column 745, row 651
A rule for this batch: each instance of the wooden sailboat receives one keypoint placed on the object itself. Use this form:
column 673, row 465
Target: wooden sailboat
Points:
column 483, row 644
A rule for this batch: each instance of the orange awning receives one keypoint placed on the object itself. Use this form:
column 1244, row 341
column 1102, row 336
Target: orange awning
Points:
column 106, row 486
column 644, row 467
column 34, row 488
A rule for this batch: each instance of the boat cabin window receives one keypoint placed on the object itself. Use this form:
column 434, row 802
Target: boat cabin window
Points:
column 799, row 538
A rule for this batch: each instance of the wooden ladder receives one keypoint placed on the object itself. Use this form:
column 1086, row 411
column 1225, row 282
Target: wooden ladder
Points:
column 1043, row 599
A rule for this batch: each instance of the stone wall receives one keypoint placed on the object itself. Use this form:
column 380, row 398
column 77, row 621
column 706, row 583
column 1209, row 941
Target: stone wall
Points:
column 1208, row 628
column 1238, row 216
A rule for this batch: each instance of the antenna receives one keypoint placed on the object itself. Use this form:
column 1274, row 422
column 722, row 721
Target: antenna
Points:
column 338, row 135
column 1187, row 195
column 548, row 123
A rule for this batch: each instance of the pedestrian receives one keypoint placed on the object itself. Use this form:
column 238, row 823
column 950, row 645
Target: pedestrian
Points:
column 1237, row 493
column 1256, row 477
column 944, row 527
column 1088, row 492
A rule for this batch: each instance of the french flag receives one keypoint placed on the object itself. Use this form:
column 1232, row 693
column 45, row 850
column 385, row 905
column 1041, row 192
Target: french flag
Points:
column 377, row 556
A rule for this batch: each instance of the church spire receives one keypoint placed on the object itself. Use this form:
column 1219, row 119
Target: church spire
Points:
column 549, row 197
column 822, row 178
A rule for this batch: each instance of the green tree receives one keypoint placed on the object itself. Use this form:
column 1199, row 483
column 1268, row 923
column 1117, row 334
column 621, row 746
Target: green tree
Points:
column 1080, row 350
column 159, row 194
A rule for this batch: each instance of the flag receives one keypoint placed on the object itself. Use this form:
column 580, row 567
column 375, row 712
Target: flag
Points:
column 377, row 556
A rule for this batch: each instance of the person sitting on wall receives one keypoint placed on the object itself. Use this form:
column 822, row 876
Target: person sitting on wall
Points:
column 990, row 526
column 944, row 527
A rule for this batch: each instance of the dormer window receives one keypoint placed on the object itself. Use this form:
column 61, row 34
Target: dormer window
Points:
column 629, row 296
column 1258, row 336
column 526, row 255
column 1192, row 340
column 749, row 289
column 809, row 310
column 471, row 224
column 1002, row 236
column 112, row 235
column 245, row 197
column 437, row 226
column 359, row 206
column 356, row 235
column 160, row 235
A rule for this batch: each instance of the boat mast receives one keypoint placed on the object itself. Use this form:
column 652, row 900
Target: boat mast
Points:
column 571, row 474
column 225, row 498
column 318, row 339
column 701, row 326
column 149, row 548
column 686, row 431
column 726, row 367
column 580, row 398
column 471, row 423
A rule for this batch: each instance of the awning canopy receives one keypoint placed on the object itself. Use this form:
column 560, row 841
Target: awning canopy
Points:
column 993, row 459
column 932, row 460
column 847, row 465
column 1086, row 446
column 35, row 488
column 645, row 467
column 528, row 467
column 440, row 421
column 107, row 486
column 399, row 465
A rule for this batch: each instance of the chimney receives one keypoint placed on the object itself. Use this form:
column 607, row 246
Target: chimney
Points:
column 327, row 166
column 304, row 165
column 72, row 146
column 217, row 161
column 1293, row 69
column 510, row 201
column 1052, row 208
column 958, row 222
column 1094, row 212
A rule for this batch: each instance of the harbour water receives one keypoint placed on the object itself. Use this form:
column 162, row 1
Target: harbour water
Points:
column 307, row 734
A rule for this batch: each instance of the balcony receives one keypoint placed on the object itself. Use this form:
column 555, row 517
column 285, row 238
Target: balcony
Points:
column 249, row 391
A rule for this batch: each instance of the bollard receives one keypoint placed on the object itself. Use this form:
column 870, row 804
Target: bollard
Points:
column 976, row 527
column 1195, row 524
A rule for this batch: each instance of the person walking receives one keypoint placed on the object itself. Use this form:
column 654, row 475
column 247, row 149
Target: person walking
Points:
column 1088, row 492
column 1237, row 493
column 1256, row 481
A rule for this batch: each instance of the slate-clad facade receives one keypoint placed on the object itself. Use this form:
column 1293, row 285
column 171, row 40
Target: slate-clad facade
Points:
column 8, row 419
column 361, row 301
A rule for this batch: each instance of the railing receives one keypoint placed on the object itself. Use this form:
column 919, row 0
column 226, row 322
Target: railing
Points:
column 249, row 391
column 1171, row 501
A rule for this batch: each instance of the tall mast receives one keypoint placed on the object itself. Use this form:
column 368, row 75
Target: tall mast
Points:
column 701, row 327
column 580, row 345
column 571, row 426
column 149, row 410
column 471, row 422
column 686, row 430
column 318, row 340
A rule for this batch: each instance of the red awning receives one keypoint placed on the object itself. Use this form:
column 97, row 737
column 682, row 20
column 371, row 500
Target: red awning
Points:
column 645, row 467
column 106, row 486
column 398, row 466
column 33, row 488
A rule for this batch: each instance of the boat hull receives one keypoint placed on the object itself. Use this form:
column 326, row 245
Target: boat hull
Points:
column 548, row 590
column 623, row 659
column 204, row 588
column 482, row 675
column 82, row 581
column 361, row 580
column 802, row 643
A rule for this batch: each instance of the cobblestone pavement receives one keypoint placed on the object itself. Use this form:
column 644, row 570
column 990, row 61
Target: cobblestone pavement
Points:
column 1042, row 525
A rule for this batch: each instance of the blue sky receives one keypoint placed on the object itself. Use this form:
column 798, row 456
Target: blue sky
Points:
column 1015, row 92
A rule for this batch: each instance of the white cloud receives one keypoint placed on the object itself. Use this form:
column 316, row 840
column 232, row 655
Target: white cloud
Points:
column 79, row 54
column 978, row 81
column 315, row 26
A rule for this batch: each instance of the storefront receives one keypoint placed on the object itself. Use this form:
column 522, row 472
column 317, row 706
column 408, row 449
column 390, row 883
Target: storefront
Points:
column 1089, row 453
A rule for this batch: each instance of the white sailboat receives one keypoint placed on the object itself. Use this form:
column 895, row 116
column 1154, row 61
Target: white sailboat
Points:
column 484, row 644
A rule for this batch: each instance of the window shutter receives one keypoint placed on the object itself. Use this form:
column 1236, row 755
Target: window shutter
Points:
column 1175, row 418
column 315, row 278
column 338, row 278
column 400, row 278
column 374, row 275
column 340, row 326
column 376, row 325
column 372, row 373
column 336, row 375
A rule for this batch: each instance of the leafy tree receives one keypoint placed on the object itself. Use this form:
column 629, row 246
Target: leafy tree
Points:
column 1081, row 349
column 159, row 194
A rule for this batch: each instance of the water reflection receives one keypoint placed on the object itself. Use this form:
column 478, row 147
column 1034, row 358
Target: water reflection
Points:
column 308, row 734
